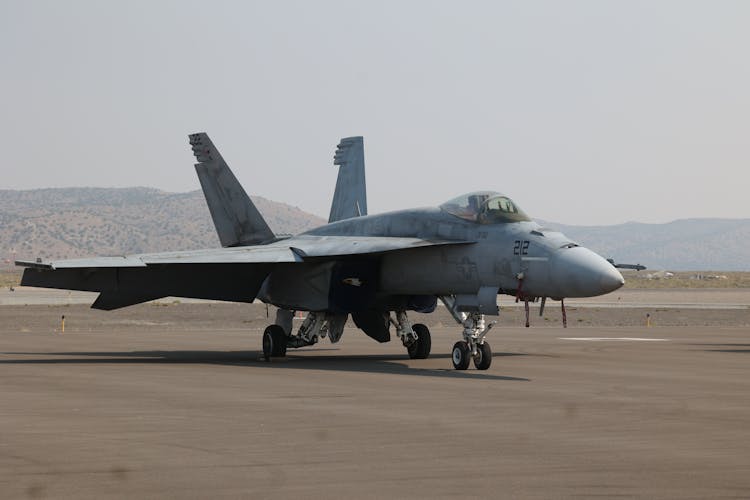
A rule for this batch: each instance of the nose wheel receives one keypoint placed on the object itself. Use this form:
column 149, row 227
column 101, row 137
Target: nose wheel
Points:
column 473, row 346
column 461, row 356
column 483, row 357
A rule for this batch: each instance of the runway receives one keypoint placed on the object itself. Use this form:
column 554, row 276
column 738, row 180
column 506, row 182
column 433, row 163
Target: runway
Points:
column 175, row 402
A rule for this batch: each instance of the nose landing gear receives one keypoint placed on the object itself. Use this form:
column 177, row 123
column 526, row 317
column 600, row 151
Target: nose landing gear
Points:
column 461, row 355
column 473, row 346
column 483, row 359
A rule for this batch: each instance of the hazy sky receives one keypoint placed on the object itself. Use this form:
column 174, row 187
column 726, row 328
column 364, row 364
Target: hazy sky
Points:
column 584, row 112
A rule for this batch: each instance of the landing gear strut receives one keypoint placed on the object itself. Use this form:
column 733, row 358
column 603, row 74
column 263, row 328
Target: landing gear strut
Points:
column 317, row 325
column 473, row 346
column 416, row 338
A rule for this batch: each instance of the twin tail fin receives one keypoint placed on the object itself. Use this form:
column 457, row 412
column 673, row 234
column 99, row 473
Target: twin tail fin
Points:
column 237, row 221
column 350, row 197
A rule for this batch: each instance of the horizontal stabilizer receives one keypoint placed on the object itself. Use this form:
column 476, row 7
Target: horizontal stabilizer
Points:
column 350, row 197
column 238, row 222
column 120, row 287
column 99, row 262
column 108, row 301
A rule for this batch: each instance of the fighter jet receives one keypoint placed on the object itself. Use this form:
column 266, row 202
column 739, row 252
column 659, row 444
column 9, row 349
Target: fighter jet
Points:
column 372, row 268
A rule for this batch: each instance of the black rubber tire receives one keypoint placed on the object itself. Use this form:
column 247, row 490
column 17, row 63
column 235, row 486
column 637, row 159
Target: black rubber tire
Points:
column 420, row 349
column 483, row 359
column 274, row 342
column 461, row 355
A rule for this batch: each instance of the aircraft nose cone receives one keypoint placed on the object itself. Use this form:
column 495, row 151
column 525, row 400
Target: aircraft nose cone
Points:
column 579, row 272
column 611, row 279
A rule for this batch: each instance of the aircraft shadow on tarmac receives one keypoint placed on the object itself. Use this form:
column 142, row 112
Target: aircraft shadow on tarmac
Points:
column 370, row 363
column 722, row 348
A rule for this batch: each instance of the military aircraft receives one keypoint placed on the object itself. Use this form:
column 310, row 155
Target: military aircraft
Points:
column 374, row 268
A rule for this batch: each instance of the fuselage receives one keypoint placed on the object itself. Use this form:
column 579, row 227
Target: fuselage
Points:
column 516, row 258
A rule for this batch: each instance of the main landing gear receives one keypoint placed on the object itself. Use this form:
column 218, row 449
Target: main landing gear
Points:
column 473, row 346
column 274, row 342
column 317, row 325
column 416, row 338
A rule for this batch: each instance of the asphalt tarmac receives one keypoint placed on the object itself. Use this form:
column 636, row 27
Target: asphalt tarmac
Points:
column 174, row 401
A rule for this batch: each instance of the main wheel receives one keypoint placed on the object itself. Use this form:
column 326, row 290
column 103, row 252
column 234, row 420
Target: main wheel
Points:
column 461, row 355
column 420, row 348
column 274, row 342
column 483, row 359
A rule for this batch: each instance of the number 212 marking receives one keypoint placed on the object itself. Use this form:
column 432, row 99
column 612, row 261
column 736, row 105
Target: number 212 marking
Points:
column 521, row 247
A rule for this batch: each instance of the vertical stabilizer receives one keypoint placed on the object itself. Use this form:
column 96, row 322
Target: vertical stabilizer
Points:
column 350, row 197
column 237, row 221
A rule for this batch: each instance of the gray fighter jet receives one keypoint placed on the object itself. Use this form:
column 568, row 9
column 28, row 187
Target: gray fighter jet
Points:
column 374, row 268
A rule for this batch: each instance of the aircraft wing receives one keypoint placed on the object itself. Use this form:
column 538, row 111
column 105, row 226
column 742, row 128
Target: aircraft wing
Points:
column 298, row 249
column 233, row 274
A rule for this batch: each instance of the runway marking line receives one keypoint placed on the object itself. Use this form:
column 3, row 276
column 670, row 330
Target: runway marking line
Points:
column 617, row 339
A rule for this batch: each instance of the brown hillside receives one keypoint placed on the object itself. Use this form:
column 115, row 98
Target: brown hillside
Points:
column 77, row 222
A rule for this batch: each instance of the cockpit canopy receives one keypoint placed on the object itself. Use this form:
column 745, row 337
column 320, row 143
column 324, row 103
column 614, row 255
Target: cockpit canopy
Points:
column 485, row 207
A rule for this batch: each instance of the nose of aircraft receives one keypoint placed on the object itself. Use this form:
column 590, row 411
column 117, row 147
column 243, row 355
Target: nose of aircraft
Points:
column 579, row 272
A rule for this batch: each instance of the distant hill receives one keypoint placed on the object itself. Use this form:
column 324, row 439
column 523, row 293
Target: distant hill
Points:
column 682, row 245
column 78, row 222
